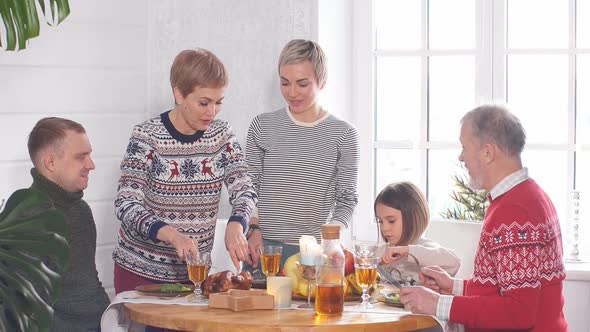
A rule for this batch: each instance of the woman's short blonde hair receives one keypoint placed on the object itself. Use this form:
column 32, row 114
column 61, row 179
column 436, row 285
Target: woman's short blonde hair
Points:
column 198, row 67
column 407, row 198
column 300, row 50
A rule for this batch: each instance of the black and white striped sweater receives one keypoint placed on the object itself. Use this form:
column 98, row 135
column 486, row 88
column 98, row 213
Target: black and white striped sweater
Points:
column 305, row 174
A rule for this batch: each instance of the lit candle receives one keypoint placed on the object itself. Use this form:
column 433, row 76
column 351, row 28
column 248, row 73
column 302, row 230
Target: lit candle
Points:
column 309, row 250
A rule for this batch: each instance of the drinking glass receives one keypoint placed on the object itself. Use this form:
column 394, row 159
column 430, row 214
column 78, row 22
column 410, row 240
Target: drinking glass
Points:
column 197, row 266
column 365, row 269
column 369, row 248
column 269, row 259
column 308, row 273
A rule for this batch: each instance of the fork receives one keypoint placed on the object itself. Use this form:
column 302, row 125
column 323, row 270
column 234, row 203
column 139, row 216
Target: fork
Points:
column 413, row 257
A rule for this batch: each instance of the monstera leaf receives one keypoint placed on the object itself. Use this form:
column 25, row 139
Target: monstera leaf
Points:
column 30, row 229
column 21, row 20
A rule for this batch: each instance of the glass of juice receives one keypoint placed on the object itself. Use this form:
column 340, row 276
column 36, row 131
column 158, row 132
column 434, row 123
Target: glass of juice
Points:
column 198, row 267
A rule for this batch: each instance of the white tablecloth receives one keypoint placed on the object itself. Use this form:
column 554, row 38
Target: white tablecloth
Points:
column 115, row 320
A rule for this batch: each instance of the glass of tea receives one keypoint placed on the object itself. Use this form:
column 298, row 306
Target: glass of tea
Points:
column 197, row 266
column 269, row 259
column 365, row 269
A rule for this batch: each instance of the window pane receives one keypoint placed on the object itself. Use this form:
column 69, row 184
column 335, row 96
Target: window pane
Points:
column 398, row 24
column 583, row 22
column 449, row 102
column 452, row 24
column 583, row 98
column 394, row 165
column 537, row 23
column 442, row 166
column 398, row 98
column 537, row 94
column 549, row 170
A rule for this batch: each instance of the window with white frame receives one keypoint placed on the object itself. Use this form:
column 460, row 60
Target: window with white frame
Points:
column 431, row 61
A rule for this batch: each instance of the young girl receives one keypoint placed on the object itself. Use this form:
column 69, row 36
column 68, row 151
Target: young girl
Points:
column 402, row 212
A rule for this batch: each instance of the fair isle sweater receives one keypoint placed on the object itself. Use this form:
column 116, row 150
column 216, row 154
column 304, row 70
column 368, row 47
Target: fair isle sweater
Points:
column 168, row 178
column 518, row 268
column 305, row 174
column 82, row 299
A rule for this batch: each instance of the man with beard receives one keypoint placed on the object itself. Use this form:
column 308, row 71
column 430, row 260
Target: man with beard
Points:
column 518, row 270
column 60, row 152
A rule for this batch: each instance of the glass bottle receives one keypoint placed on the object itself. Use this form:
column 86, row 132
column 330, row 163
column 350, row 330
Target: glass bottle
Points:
column 329, row 299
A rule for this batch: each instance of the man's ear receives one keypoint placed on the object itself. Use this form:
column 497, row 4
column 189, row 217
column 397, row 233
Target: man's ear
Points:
column 48, row 160
column 489, row 152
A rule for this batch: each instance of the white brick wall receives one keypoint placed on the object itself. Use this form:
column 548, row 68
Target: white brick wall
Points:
column 107, row 65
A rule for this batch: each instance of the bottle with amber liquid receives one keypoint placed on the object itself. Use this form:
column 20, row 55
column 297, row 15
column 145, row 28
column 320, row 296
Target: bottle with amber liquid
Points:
column 329, row 299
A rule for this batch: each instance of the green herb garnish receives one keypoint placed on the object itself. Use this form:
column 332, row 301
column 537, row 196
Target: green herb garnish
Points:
column 392, row 297
column 177, row 287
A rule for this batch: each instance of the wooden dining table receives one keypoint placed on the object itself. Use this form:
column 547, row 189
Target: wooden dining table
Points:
column 204, row 318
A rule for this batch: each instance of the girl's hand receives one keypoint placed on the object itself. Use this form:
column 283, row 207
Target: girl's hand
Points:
column 393, row 254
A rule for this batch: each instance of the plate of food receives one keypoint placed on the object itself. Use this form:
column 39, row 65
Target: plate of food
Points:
column 165, row 290
column 391, row 299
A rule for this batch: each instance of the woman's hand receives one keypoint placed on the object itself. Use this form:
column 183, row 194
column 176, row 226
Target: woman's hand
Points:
column 183, row 244
column 393, row 254
column 254, row 241
column 236, row 244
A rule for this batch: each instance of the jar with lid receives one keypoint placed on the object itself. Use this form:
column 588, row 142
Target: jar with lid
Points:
column 329, row 299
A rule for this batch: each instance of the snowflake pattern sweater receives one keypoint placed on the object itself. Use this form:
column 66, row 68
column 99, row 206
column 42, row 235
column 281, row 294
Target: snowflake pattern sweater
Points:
column 169, row 178
column 518, row 268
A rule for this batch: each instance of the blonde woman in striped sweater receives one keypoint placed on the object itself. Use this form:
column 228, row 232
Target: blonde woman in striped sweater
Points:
column 303, row 161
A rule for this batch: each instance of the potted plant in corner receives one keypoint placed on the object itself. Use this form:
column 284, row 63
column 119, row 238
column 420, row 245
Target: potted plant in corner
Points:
column 31, row 230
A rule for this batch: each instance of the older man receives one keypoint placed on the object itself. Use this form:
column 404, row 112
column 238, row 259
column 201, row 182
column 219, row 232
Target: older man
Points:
column 60, row 152
column 516, row 284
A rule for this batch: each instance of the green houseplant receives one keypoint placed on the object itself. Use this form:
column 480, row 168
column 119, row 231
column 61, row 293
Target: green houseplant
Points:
column 470, row 205
column 30, row 229
column 21, row 19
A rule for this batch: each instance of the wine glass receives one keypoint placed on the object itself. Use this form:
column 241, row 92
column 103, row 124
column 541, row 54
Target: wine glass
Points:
column 369, row 248
column 365, row 269
column 308, row 273
column 197, row 266
column 269, row 259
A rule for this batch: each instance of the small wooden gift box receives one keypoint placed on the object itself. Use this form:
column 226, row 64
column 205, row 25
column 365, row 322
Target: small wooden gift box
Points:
column 240, row 300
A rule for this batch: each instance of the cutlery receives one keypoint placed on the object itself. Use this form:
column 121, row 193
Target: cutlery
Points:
column 387, row 276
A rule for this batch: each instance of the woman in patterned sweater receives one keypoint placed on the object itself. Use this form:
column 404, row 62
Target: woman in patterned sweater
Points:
column 172, row 175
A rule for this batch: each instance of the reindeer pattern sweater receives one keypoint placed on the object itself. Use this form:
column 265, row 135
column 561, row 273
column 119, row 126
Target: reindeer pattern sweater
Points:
column 168, row 178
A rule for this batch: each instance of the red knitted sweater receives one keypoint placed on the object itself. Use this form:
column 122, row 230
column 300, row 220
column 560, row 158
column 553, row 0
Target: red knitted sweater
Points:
column 518, row 268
